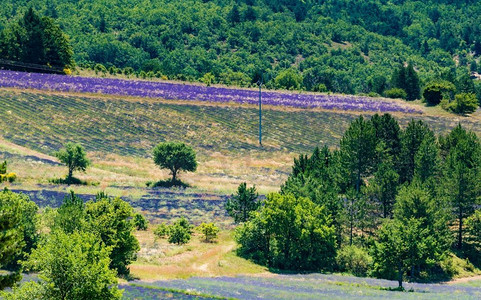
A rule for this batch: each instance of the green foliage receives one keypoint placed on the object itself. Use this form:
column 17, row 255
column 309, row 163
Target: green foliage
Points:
column 411, row 140
column 395, row 93
column 208, row 79
column 73, row 266
column 111, row 220
column 341, row 46
column 417, row 237
column 11, row 233
column 140, row 222
column 240, row 205
column 289, row 79
column 70, row 215
column 289, row 233
column 27, row 290
column 461, row 152
column 176, row 157
column 3, row 168
column 4, row 176
column 406, row 78
column 473, row 228
column 162, row 230
column 357, row 149
column 18, row 231
column 209, row 230
column 464, row 103
column 354, row 260
column 74, row 157
column 178, row 234
column 436, row 91
column 37, row 40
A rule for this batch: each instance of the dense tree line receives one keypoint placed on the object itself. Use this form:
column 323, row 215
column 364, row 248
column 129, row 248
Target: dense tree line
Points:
column 340, row 46
column 398, row 200
column 33, row 39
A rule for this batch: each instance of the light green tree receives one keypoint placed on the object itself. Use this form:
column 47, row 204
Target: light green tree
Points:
column 74, row 266
column 74, row 157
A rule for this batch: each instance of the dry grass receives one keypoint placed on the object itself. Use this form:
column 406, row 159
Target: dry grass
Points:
column 160, row 260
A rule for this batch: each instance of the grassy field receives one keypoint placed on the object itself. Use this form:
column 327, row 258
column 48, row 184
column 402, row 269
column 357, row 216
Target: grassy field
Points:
column 119, row 133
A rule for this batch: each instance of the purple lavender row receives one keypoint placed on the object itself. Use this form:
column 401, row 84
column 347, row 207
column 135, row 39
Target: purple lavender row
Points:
column 176, row 91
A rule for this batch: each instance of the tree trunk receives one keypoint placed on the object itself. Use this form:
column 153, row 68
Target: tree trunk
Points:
column 174, row 175
column 70, row 175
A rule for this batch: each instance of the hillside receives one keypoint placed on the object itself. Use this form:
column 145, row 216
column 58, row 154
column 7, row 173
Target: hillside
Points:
column 340, row 46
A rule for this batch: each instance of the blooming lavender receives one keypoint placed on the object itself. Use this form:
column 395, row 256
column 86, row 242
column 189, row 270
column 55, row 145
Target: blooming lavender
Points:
column 177, row 91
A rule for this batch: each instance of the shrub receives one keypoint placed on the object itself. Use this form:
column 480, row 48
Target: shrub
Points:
column 10, row 177
column 464, row 103
column 128, row 71
column 100, row 68
column 354, row 260
column 209, row 230
column 395, row 93
column 473, row 228
column 140, row 222
column 162, row 231
column 435, row 91
column 208, row 79
column 289, row 79
column 178, row 234
column 3, row 167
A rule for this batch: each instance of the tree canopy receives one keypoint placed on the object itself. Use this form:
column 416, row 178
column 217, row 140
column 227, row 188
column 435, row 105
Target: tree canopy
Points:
column 176, row 157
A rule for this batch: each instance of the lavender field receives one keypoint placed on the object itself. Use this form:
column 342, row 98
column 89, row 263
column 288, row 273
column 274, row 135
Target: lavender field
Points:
column 313, row 286
column 176, row 91
column 157, row 205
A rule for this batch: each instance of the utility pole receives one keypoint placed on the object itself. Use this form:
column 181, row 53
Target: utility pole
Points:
column 259, row 83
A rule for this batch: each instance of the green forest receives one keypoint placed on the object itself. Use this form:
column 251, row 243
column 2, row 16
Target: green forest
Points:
column 341, row 46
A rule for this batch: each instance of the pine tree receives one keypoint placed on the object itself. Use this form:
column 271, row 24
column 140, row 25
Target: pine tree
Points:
column 462, row 173
column 412, row 85
column 358, row 151
column 411, row 139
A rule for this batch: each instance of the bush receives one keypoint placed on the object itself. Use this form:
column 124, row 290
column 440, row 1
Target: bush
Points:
column 395, row 93
column 178, row 234
column 162, row 231
column 140, row 222
column 435, row 91
column 209, row 230
column 464, row 103
column 354, row 260
column 10, row 177
column 289, row 79
column 100, row 68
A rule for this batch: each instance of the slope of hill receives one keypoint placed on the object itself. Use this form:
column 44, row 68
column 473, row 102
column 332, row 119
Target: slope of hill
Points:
column 343, row 46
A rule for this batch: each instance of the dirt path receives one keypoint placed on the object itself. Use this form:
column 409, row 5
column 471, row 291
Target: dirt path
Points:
column 464, row 280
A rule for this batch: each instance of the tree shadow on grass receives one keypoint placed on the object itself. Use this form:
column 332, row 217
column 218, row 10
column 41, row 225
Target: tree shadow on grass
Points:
column 71, row 181
column 167, row 184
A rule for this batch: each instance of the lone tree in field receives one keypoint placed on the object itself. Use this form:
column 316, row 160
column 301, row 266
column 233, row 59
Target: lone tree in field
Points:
column 176, row 157
column 74, row 157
